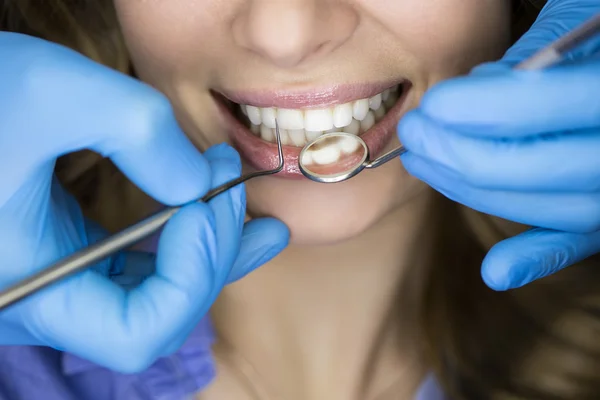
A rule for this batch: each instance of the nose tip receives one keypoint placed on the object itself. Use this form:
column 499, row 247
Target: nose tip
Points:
column 289, row 32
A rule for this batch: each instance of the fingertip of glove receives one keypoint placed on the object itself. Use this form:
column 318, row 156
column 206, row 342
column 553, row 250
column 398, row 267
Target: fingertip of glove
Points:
column 504, row 266
column 263, row 239
column 494, row 280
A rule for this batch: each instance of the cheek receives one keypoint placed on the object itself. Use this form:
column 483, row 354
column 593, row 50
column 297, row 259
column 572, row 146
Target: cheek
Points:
column 166, row 37
column 446, row 36
column 319, row 214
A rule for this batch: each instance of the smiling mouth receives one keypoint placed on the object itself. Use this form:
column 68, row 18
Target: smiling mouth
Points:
column 251, row 121
column 298, row 127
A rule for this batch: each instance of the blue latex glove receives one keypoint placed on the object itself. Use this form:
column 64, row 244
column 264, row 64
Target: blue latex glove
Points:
column 524, row 146
column 55, row 101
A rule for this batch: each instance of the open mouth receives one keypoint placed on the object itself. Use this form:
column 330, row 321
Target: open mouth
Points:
column 373, row 114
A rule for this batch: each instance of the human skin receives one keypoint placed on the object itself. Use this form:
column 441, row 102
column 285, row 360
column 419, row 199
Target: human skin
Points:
column 190, row 49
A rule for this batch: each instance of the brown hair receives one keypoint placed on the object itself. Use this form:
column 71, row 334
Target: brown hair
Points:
column 538, row 342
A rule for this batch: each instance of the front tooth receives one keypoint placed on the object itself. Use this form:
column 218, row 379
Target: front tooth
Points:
column 290, row 119
column 375, row 102
column 326, row 154
column 284, row 137
column 254, row 115
column 353, row 128
column 297, row 137
column 267, row 133
column 307, row 158
column 360, row 108
column 318, row 120
column 312, row 135
column 342, row 115
column 348, row 145
column 268, row 116
column 368, row 122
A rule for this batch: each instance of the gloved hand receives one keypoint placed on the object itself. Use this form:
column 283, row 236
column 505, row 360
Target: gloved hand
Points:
column 524, row 146
column 55, row 101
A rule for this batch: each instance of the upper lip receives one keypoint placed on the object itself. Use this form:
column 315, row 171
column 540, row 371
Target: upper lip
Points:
column 313, row 98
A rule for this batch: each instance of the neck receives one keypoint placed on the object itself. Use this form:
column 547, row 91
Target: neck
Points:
column 334, row 322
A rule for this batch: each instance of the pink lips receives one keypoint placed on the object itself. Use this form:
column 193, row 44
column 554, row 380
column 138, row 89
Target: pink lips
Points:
column 263, row 155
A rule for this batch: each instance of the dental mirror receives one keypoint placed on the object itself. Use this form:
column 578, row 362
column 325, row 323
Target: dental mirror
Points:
column 338, row 156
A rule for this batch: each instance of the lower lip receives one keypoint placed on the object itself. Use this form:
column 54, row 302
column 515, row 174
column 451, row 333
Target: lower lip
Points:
column 263, row 155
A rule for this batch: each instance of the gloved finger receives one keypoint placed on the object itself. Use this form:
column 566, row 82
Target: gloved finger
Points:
column 16, row 335
column 557, row 18
column 132, row 328
column 562, row 163
column 262, row 240
column 74, row 103
column 534, row 254
column 516, row 104
column 132, row 268
column 95, row 233
column 571, row 212
column 230, row 207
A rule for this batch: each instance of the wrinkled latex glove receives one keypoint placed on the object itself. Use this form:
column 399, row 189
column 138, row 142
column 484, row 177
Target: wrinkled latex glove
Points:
column 54, row 101
column 524, row 146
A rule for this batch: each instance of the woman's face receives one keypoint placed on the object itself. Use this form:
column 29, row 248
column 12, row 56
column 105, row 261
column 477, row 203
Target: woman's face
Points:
column 317, row 65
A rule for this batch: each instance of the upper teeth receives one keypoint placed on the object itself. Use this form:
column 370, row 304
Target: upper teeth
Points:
column 297, row 127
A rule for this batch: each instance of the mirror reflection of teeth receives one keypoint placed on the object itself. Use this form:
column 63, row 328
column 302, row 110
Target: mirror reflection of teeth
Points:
column 299, row 127
column 330, row 151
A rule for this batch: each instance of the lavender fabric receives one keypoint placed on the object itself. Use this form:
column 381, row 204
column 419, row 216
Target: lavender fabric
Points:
column 41, row 373
column 32, row 373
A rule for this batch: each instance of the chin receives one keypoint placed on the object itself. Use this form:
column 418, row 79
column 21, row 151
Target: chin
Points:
column 319, row 214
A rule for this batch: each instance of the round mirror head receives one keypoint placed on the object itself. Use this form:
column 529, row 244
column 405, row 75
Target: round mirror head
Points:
column 333, row 157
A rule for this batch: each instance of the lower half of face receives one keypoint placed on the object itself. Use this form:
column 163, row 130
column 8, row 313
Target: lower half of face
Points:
column 232, row 68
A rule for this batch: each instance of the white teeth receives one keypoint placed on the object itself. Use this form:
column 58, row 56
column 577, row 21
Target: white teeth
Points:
column 353, row 128
column 290, row 119
column 297, row 137
column 342, row 115
column 326, row 154
column 267, row 133
column 318, row 120
column 360, row 108
column 375, row 102
column 307, row 158
column 368, row 122
column 284, row 136
column 330, row 153
column 254, row 115
column 312, row 135
column 268, row 116
column 348, row 145
column 298, row 127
